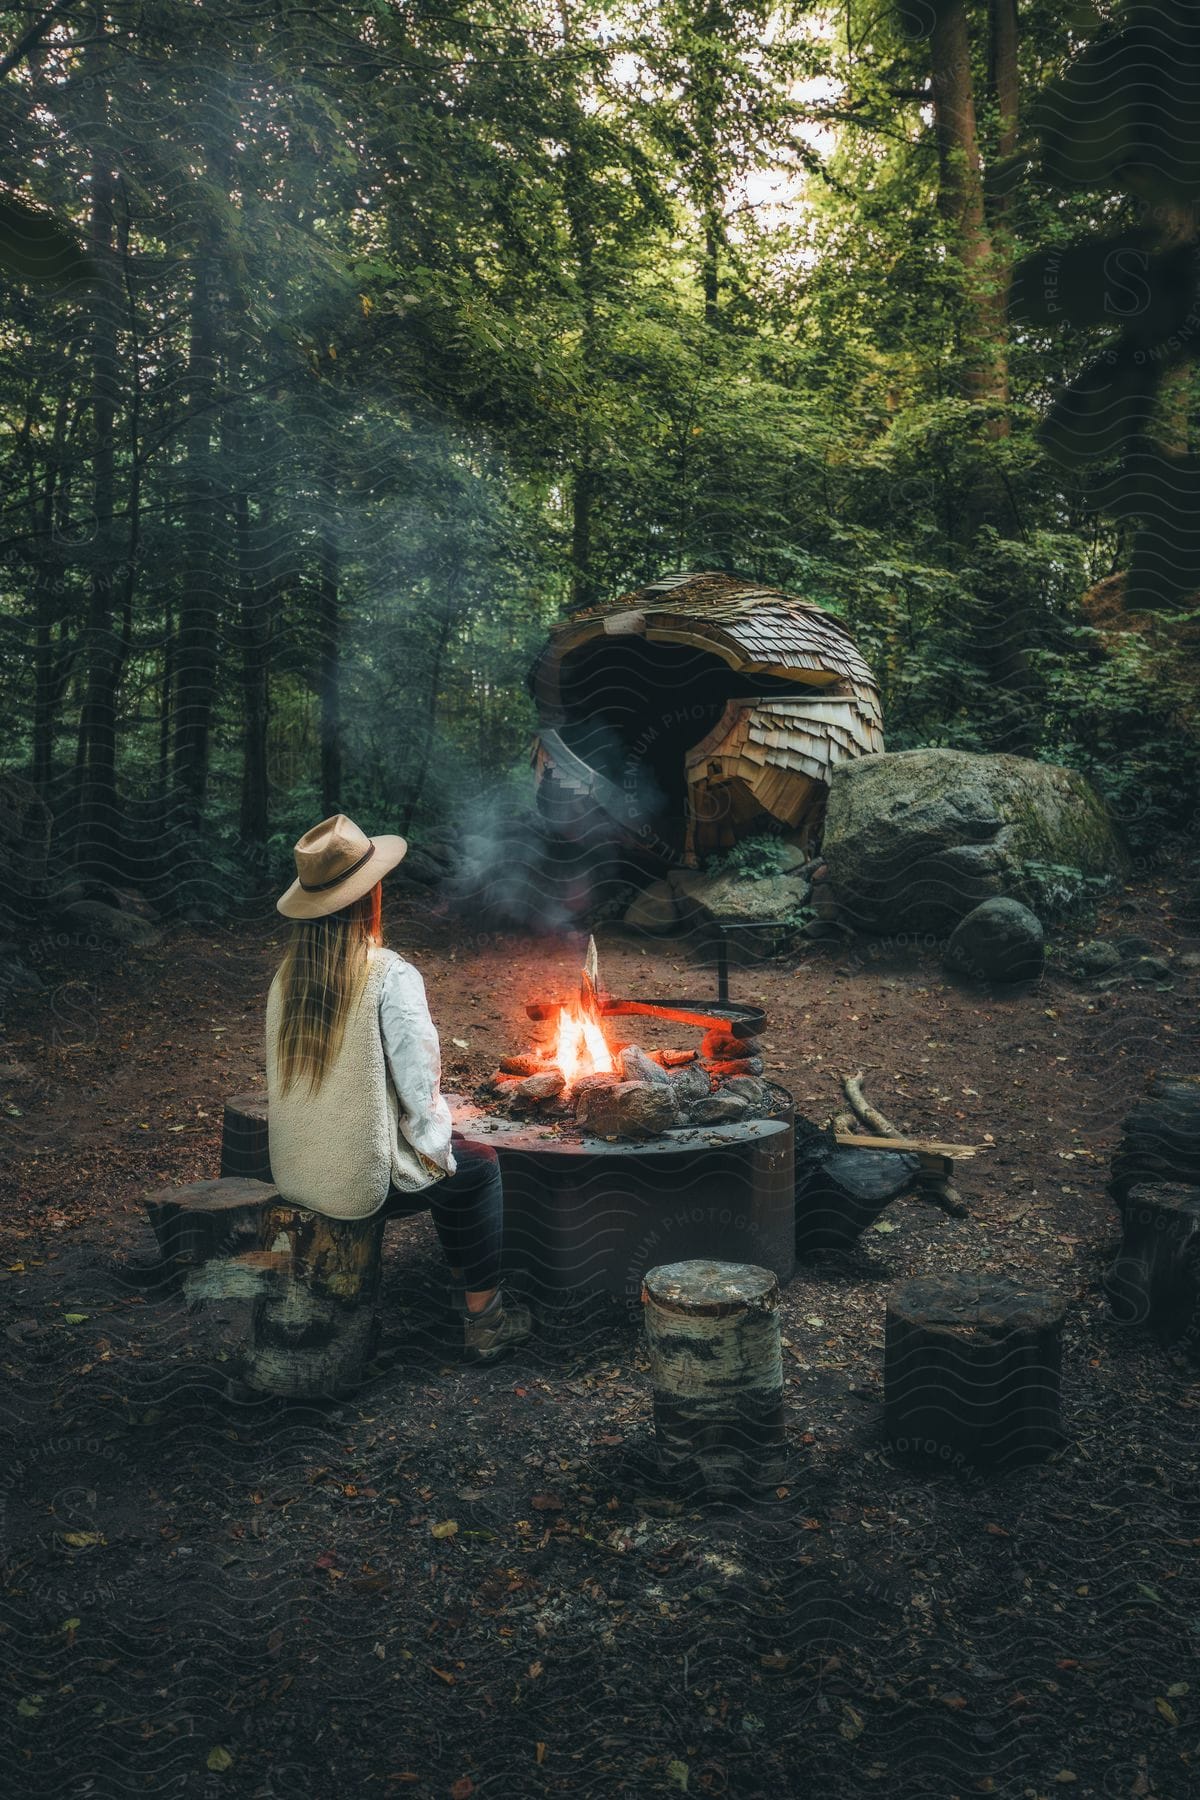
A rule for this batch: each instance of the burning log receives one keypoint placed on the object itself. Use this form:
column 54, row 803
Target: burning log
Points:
column 721, row 1045
column 536, row 1090
column 725, row 1071
column 627, row 1109
column 717, row 1370
column 521, row 1065
column 672, row 1059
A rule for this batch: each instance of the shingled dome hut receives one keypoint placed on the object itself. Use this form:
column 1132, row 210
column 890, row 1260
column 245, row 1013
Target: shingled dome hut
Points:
column 697, row 710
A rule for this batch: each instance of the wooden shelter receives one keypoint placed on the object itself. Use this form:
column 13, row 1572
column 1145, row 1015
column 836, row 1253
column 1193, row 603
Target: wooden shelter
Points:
column 698, row 710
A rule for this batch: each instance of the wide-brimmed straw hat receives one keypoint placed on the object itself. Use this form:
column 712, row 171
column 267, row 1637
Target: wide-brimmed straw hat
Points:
column 336, row 864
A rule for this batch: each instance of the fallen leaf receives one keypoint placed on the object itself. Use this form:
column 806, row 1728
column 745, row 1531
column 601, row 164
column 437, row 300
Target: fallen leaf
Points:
column 448, row 1528
column 74, row 1318
column 852, row 1723
column 547, row 1503
column 83, row 1540
column 1166, row 1710
column 461, row 1042
column 678, row 1773
column 443, row 1675
column 1065, row 1775
column 536, row 1669
column 539, row 1751
column 462, row 1789
column 218, row 1759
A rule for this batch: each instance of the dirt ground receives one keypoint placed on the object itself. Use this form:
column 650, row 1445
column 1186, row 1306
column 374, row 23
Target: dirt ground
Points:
column 212, row 1597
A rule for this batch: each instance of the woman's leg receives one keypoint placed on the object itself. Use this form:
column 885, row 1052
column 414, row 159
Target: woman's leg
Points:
column 468, row 1215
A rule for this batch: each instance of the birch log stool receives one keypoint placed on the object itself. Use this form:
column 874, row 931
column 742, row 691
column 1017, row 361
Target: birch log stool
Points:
column 971, row 1370
column 717, row 1371
column 244, row 1144
column 1155, row 1280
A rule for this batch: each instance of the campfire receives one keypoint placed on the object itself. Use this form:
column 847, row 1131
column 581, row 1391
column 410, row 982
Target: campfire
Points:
column 583, row 1075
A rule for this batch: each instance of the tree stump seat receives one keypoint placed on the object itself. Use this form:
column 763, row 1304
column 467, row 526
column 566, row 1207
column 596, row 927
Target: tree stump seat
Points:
column 1155, row 1279
column 312, row 1282
column 1160, row 1138
column 971, row 1370
column 717, row 1372
column 245, row 1148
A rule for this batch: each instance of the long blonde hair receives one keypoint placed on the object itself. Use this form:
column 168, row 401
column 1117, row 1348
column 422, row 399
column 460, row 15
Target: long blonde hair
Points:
column 320, row 978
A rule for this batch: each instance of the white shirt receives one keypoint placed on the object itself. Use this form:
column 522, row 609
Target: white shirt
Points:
column 414, row 1059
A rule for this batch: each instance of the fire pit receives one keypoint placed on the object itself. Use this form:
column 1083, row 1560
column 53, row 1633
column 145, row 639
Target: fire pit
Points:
column 616, row 1158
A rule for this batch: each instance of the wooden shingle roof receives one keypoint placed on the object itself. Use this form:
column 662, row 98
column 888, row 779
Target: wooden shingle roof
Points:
column 752, row 627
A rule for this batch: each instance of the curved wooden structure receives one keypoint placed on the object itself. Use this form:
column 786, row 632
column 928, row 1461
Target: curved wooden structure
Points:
column 697, row 710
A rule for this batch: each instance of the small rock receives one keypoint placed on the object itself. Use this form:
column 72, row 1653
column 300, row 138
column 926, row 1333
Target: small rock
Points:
column 630, row 1109
column 1152, row 968
column 1131, row 946
column 637, row 1066
column 692, row 1083
column 1189, row 960
column 718, row 1109
column 747, row 1088
column 1000, row 941
column 1098, row 957
column 653, row 909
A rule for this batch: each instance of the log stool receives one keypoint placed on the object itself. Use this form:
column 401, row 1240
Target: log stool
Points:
column 1155, row 1279
column 208, row 1219
column 1160, row 1138
column 717, row 1371
column 244, row 1140
column 313, row 1281
column 971, row 1370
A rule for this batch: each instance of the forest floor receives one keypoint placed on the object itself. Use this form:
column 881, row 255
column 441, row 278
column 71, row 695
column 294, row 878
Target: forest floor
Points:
column 206, row 1596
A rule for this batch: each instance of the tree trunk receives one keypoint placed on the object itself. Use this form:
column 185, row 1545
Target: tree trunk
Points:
column 47, row 613
column 195, row 655
column 98, row 841
column 705, row 84
column 254, row 618
column 983, row 372
column 329, row 651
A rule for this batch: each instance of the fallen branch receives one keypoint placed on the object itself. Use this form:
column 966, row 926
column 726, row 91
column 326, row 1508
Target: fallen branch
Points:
column 931, row 1183
column 870, row 1115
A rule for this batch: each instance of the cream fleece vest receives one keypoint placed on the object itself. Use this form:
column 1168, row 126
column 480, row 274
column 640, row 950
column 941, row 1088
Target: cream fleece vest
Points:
column 336, row 1151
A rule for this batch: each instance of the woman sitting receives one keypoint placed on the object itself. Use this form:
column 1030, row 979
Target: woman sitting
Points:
column 357, row 1120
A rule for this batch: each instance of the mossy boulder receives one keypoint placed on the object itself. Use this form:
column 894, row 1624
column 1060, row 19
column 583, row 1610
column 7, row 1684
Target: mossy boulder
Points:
column 916, row 839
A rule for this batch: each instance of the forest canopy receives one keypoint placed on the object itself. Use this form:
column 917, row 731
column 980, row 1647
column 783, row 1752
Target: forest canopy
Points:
column 345, row 346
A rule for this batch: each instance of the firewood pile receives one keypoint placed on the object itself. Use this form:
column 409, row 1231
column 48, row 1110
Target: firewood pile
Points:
column 646, row 1092
column 612, row 1088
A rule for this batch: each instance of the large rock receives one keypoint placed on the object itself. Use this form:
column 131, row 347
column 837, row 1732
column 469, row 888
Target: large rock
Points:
column 108, row 922
column 705, row 899
column 653, row 909
column 1000, row 941
column 916, row 839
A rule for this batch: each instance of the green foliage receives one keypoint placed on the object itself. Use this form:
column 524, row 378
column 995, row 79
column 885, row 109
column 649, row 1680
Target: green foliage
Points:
column 429, row 322
column 1064, row 895
column 756, row 858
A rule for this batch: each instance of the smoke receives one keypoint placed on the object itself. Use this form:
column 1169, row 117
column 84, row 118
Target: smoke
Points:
column 514, row 868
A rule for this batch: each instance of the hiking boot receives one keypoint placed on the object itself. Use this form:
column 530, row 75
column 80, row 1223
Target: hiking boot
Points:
column 501, row 1325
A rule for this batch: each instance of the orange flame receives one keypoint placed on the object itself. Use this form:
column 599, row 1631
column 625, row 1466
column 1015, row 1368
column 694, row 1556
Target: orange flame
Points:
column 581, row 1047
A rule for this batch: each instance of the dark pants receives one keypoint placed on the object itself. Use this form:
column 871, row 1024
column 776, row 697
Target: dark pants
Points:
column 468, row 1213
